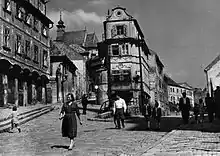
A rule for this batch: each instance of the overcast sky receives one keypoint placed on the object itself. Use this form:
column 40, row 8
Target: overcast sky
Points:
column 184, row 33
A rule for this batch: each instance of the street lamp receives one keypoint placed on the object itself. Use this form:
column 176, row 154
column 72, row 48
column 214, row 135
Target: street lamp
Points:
column 96, row 91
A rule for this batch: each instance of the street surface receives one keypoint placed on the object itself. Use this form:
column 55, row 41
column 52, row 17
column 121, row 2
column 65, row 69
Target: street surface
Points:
column 42, row 136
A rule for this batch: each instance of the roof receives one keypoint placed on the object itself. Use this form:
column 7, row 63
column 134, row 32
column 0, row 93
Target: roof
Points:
column 171, row 82
column 185, row 85
column 212, row 63
column 80, row 37
column 63, row 49
column 74, row 37
column 157, row 58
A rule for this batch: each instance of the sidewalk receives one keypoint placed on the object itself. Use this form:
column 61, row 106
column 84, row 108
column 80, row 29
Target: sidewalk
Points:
column 189, row 140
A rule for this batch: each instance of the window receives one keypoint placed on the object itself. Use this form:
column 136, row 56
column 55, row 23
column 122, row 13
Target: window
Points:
column 36, row 24
column 44, row 30
column 115, row 50
column 45, row 58
column 27, row 48
column 6, row 37
column 35, row 53
column 121, row 75
column 41, row 7
column 8, row 5
column 115, row 75
column 28, row 18
column 18, row 44
column 126, row 75
column 19, row 12
column 124, row 49
column 120, row 29
column 177, row 90
column 171, row 90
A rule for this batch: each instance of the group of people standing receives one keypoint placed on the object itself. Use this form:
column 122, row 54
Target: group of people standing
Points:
column 150, row 113
column 199, row 109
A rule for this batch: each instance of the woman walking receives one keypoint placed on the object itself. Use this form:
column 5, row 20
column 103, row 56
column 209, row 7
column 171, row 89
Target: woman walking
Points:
column 68, row 113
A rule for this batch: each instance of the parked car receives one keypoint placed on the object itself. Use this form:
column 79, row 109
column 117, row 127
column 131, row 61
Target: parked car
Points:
column 91, row 97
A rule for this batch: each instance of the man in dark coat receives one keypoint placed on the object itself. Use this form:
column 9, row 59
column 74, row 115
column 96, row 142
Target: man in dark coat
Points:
column 209, row 101
column 84, row 103
column 184, row 106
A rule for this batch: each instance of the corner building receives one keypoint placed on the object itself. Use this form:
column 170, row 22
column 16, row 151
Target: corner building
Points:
column 24, row 52
column 126, row 57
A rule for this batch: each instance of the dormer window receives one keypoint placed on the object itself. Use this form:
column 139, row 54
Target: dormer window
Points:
column 8, row 5
column 28, row 18
column 120, row 30
column 19, row 12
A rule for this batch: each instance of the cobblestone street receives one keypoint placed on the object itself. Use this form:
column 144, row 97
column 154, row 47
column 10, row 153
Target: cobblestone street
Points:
column 42, row 136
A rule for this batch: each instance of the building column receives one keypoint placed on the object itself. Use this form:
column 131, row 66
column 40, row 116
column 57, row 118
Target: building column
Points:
column 44, row 92
column 5, row 85
column 33, row 88
column 25, row 95
column 16, row 92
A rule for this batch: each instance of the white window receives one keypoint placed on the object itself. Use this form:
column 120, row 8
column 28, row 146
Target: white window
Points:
column 28, row 18
column 18, row 47
column 8, row 5
column 45, row 58
column 7, row 37
column 44, row 30
column 124, row 49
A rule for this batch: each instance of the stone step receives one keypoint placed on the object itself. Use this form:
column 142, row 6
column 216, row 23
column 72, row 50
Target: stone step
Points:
column 25, row 117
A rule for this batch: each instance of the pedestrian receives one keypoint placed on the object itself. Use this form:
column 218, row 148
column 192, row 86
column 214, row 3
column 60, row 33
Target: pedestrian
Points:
column 196, row 112
column 209, row 101
column 156, row 114
column 84, row 103
column 68, row 113
column 14, row 120
column 201, row 110
column 119, row 109
column 147, row 112
column 184, row 106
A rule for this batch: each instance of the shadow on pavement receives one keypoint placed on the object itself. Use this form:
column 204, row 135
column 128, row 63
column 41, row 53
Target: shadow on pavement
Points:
column 167, row 124
column 203, row 127
column 60, row 146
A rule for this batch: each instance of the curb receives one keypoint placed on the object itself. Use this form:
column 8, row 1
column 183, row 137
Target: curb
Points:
column 24, row 117
column 101, row 120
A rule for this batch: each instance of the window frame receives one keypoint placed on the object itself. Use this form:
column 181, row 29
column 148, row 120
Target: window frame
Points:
column 113, row 49
column 6, row 39
column 36, row 54
column 6, row 7
column 45, row 52
column 18, row 44
column 27, row 50
column 120, row 30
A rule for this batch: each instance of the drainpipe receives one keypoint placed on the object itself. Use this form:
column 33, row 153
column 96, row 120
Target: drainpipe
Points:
column 140, row 63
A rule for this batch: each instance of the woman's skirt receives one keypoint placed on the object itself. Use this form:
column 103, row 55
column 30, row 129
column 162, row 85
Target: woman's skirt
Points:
column 69, row 126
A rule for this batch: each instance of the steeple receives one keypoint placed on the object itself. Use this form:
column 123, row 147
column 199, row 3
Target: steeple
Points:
column 60, row 22
column 60, row 28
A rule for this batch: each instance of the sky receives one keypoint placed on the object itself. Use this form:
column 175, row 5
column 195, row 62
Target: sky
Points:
column 184, row 33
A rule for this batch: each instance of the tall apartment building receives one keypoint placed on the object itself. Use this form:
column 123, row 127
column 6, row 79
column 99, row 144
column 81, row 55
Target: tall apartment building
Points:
column 24, row 51
column 126, row 56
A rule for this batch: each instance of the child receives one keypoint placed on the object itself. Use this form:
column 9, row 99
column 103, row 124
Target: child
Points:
column 14, row 120
column 196, row 112
column 157, row 115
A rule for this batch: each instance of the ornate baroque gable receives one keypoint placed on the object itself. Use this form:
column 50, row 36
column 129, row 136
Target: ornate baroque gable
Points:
column 119, row 13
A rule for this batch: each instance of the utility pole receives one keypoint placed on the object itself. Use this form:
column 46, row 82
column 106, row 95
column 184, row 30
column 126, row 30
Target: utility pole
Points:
column 140, row 63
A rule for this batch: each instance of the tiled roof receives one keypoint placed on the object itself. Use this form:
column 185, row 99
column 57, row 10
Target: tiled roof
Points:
column 74, row 37
column 212, row 63
column 81, row 38
column 185, row 85
column 66, row 50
